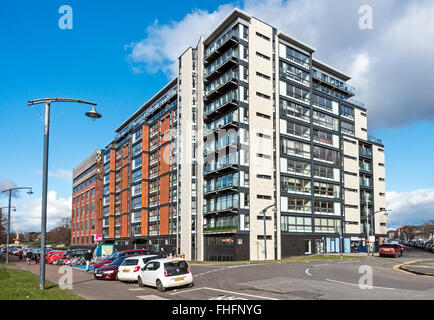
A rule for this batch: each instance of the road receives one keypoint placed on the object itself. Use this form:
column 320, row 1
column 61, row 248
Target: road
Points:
column 297, row 280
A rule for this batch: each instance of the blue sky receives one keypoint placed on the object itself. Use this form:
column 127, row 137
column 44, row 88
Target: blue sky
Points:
column 96, row 61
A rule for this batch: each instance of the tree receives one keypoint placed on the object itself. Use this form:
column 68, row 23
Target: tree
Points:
column 3, row 226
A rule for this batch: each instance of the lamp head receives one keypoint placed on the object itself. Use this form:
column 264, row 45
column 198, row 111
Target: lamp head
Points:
column 93, row 114
column 30, row 191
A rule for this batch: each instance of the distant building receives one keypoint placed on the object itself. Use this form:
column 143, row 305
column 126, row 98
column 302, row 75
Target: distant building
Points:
column 86, row 200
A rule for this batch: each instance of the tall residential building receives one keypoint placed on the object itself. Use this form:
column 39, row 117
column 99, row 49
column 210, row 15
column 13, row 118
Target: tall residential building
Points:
column 87, row 200
column 252, row 121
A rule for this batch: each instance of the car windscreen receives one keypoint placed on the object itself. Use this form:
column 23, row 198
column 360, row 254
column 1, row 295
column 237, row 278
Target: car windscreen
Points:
column 118, row 261
column 147, row 259
column 175, row 268
column 130, row 262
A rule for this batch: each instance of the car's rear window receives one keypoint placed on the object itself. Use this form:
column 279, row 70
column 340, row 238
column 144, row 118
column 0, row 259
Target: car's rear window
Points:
column 389, row 246
column 130, row 262
column 175, row 268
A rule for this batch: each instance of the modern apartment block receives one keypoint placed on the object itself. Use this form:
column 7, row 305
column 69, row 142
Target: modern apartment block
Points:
column 252, row 121
column 86, row 200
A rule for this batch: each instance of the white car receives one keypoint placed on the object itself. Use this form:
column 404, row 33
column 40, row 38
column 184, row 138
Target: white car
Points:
column 166, row 273
column 130, row 267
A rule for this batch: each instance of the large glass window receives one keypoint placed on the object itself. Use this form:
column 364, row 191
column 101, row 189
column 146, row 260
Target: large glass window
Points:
column 326, row 189
column 325, row 154
column 298, row 93
column 289, row 185
column 290, row 72
column 347, row 128
column 136, row 176
column 323, row 172
column 325, row 120
column 291, row 109
column 327, row 225
column 297, row 57
column 294, row 148
column 322, row 102
column 300, row 205
column 297, row 130
column 295, row 224
column 324, row 207
column 323, row 137
column 298, row 167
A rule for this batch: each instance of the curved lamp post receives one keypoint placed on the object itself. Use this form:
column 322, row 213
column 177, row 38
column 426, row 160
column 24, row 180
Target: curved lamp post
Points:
column 91, row 114
column 9, row 215
column 264, row 212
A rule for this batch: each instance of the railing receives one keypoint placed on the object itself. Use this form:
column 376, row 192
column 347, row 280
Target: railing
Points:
column 220, row 228
column 220, row 61
column 375, row 139
column 218, row 43
column 365, row 152
column 334, row 82
column 220, row 81
column 226, row 119
column 217, row 104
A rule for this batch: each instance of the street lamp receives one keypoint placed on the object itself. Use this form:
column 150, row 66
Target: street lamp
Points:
column 370, row 216
column 264, row 212
column 91, row 114
column 9, row 215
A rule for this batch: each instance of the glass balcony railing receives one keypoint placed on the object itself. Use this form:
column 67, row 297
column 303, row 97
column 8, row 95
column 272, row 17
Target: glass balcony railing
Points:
column 220, row 102
column 232, row 53
column 333, row 82
column 221, row 81
column 223, row 121
column 365, row 152
column 220, row 41
column 375, row 139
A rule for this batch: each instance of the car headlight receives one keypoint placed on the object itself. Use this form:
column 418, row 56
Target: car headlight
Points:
column 108, row 272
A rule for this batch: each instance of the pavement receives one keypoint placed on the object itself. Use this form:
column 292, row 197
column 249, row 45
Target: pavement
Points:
column 360, row 278
column 422, row 267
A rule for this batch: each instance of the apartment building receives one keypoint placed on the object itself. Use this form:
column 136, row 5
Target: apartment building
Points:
column 86, row 200
column 252, row 121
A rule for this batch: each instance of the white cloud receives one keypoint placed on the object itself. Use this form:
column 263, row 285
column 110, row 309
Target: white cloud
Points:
column 413, row 208
column 388, row 64
column 27, row 218
column 59, row 173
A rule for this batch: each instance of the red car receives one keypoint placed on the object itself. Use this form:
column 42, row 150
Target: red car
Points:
column 388, row 249
column 109, row 272
column 55, row 256
column 49, row 254
column 119, row 254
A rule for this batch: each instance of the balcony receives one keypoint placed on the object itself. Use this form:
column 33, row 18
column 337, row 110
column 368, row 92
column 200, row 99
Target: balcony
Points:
column 221, row 229
column 367, row 153
column 220, row 45
column 231, row 144
column 228, row 121
column 366, row 168
column 375, row 139
column 230, row 58
column 221, row 105
column 333, row 83
column 215, row 169
column 221, row 85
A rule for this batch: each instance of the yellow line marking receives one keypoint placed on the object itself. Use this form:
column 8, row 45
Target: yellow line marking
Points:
column 398, row 267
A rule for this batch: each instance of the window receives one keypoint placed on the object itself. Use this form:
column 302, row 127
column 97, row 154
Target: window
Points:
column 326, row 189
column 262, row 56
column 260, row 155
column 298, row 93
column 260, row 35
column 288, row 71
column 261, row 176
column 136, row 176
column 347, row 128
column 297, row 57
column 265, row 136
column 299, row 205
column 291, row 147
column 327, row 225
column 322, row 102
column 347, row 112
column 263, row 115
column 289, row 185
column 298, row 167
column 260, row 196
column 325, row 120
column 263, row 95
column 323, row 172
column 325, row 154
column 324, row 207
column 263, row 76
column 322, row 137
column 297, row 130
column 295, row 224
column 291, row 109
column 137, row 149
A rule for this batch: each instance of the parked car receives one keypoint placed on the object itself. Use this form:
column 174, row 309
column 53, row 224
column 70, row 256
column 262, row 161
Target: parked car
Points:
column 387, row 249
column 53, row 258
column 116, row 255
column 166, row 273
column 130, row 267
column 70, row 254
column 110, row 271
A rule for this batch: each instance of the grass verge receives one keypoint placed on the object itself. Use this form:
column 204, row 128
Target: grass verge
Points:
column 24, row 285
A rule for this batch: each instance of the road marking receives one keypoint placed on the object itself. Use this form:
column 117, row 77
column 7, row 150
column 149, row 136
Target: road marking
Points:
column 320, row 265
column 136, row 289
column 226, row 291
column 307, row 272
column 357, row 285
column 151, row 297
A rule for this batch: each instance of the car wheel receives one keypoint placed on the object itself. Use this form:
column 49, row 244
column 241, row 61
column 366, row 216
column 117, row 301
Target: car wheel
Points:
column 139, row 282
column 160, row 286
column 190, row 285
column 116, row 277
